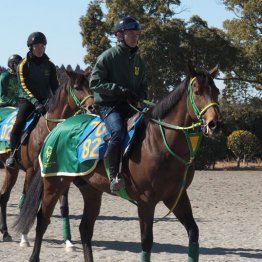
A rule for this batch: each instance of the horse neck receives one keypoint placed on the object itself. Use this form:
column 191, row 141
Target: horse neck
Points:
column 62, row 111
column 179, row 114
column 176, row 139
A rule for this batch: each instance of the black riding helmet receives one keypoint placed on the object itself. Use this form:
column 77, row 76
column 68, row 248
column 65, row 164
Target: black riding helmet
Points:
column 36, row 38
column 13, row 59
column 126, row 23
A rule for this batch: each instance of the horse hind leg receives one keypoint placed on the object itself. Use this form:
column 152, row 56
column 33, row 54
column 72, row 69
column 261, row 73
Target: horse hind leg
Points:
column 50, row 197
column 183, row 212
column 92, row 204
column 9, row 182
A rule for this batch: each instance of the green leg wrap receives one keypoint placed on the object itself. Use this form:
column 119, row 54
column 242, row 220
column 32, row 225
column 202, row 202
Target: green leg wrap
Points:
column 21, row 200
column 145, row 256
column 66, row 228
column 193, row 252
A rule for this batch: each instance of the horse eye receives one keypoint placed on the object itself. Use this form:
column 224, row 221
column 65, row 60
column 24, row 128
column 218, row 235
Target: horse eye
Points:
column 76, row 86
column 197, row 93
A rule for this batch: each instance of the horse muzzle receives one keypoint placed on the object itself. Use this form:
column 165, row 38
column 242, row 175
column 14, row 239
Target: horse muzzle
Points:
column 211, row 128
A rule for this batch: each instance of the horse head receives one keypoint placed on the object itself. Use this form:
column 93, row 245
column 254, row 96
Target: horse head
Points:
column 79, row 93
column 203, row 99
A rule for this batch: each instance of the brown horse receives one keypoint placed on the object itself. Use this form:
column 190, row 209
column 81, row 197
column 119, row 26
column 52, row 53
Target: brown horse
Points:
column 71, row 97
column 159, row 167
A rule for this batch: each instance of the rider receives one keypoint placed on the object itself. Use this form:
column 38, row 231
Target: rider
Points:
column 38, row 81
column 118, row 77
column 9, row 83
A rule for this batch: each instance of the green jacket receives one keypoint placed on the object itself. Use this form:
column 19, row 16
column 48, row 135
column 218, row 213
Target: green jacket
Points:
column 37, row 78
column 8, row 89
column 118, row 69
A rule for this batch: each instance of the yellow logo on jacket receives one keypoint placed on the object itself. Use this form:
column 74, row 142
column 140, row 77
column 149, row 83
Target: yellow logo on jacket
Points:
column 136, row 71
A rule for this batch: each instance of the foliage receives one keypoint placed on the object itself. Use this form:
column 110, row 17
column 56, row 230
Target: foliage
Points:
column 243, row 144
column 211, row 151
column 246, row 116
column 247, row 38
column 94, row 32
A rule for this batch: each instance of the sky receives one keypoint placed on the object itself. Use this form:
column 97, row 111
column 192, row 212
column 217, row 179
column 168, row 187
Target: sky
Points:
column 59, row 21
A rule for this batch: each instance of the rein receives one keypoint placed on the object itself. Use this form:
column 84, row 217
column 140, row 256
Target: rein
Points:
column 77, row 102
column 193, row 138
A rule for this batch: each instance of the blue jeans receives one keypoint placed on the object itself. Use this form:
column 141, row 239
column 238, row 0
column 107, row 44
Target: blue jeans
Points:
column 115, row 124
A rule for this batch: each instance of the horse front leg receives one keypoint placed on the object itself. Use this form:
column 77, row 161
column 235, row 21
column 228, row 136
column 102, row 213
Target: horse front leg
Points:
column 92, row 204
column 66, row 232
column 146, row 217
column 29, row 175
column 9, row 182
column 184, row 214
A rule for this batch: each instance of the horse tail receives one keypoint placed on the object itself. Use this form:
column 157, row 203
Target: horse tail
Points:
column 31, row 205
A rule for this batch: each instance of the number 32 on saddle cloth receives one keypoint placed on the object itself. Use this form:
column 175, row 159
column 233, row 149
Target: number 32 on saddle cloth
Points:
column 74, row 147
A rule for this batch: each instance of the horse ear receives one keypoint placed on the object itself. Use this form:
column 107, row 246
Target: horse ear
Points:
column 213, row 72
column 190, row 69
column 88, row 71
column 71, row 73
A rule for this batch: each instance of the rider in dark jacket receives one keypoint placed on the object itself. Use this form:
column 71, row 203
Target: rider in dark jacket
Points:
column 38, row 81
column 9, row 83
column 119, row 76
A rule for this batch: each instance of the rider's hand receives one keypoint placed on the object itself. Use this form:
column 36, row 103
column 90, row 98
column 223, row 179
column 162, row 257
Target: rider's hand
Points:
column 40, row 108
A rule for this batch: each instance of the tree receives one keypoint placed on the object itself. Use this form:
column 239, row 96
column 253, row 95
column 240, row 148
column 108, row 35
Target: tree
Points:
column 94, row 32
column 247, row 39
column 243, row 144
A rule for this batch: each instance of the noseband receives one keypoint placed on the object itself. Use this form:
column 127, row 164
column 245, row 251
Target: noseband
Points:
column 78, row 103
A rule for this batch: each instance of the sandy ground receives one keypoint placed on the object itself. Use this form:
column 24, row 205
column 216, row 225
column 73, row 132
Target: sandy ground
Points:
column 226, row 205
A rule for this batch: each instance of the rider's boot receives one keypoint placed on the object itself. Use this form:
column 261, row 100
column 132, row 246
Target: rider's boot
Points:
column 11, row 161
column 114, row 156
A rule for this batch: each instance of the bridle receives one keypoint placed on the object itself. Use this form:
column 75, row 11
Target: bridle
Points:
column 77, row 102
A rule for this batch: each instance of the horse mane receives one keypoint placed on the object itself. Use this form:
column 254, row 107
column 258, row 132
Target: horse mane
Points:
column 169, row 101
column 54, row 100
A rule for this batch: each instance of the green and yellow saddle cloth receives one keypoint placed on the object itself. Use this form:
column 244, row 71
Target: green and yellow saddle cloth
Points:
column 75, row 146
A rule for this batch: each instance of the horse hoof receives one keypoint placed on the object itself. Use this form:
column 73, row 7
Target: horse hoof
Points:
column 7, row 238
column 24, row 244
column 69, row 246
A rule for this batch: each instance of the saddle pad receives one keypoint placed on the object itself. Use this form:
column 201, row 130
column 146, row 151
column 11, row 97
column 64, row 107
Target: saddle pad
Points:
column 8, row 123
column 8, row 116
column 5, row 111
column 92, row 145
column 6, row 127
column 58, row 156
column 73, row 138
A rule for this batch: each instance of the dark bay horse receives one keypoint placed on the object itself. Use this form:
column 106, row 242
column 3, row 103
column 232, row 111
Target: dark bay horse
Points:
column 71, row 97
column 159, row 167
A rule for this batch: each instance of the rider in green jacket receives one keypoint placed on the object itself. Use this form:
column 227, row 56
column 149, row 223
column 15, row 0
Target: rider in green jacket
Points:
column 9, row 83
column 117, row 79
